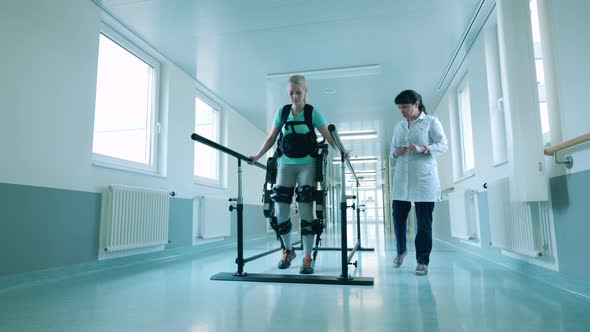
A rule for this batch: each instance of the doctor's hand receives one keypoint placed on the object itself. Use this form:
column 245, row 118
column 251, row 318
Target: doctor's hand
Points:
column 400, row 150
column 416, row 148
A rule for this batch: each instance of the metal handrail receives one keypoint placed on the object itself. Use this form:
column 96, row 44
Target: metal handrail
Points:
column 241, row 260
column 568, row 161
column 215, row 145
column 338, row 142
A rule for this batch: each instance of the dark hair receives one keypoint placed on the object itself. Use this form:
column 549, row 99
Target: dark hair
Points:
column 410, row 97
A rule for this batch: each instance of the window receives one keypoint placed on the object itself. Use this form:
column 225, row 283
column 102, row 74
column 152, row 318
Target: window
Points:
column 496, row 102
column 372, row 199
column 125, row 119
column 465, row 130
column 207, row 160
column 539, row 70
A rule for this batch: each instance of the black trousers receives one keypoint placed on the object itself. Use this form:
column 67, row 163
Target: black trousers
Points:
column 423, row 239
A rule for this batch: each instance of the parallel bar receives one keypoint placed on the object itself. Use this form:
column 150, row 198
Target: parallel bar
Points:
column 338, row 142
column 295, row 279
column 358, row 216
column 338, row 249
column 343, row 235
column 266, row 253
column 356, row 247
column 240, row 208
column 240, row 275
column 215, row 145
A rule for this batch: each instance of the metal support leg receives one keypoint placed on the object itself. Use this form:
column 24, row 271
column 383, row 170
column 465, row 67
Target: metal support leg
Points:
column 343, row 225
column 240, row 227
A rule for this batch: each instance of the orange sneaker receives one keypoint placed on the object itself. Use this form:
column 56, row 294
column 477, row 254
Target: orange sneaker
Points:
column 307, row 266
column 288, row 256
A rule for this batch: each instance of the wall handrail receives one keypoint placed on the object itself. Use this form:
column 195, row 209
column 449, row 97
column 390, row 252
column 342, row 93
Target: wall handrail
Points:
column 447, row 190
column 549, row 151
column 215, row 145
column 568, row 161
column 338, row 141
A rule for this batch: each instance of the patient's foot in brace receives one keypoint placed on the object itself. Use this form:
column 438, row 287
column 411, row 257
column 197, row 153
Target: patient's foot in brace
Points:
column 288, row 256
column 307, row 266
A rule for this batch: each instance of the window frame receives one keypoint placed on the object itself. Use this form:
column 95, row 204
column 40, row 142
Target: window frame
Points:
column 461, row 172
column 220, row 182
column 123, row 38
column 539, row 66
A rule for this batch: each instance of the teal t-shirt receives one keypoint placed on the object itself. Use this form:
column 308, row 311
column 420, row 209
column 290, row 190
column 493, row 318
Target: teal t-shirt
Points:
column 317, row 120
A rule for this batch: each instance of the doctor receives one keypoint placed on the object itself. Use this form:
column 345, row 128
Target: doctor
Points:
column 417, row 140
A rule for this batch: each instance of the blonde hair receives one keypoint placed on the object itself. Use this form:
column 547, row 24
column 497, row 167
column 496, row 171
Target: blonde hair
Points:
column 300, row 80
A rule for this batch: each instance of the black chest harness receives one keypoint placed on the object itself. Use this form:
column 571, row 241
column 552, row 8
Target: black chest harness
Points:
column 294, row 144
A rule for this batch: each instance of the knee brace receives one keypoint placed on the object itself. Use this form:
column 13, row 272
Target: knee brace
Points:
column 305, row 194
column 268, row 206
column 282, row 194
column 319, row 198
column 312, row 227
column 284, row 227
column 274, row 224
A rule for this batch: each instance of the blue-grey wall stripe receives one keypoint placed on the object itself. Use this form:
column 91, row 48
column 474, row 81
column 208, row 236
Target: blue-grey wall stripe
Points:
column 571, row 215
column 42, row 228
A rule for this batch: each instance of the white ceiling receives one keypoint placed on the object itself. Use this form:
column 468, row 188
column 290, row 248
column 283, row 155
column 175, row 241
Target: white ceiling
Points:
column 232, row 46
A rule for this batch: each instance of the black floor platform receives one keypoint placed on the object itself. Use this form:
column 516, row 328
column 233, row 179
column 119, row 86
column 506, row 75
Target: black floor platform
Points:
column 293, row 279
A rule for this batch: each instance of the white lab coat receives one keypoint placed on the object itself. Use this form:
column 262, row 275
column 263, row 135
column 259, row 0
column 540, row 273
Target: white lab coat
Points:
column 416, row 174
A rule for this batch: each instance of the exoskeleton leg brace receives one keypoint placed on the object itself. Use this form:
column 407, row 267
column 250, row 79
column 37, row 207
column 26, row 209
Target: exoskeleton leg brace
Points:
column 317, row 194
column 268, row 202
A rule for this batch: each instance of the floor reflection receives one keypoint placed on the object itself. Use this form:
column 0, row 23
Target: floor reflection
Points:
column 460, row 293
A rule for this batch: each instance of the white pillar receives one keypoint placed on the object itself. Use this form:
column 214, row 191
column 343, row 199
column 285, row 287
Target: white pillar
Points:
column 528, row 181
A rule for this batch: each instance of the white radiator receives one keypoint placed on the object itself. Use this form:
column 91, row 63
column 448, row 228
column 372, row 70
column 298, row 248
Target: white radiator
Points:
column 133, row 218
column 457, row 208
column 464, row 213
column 472, row 214
column 521, row 227
column 211, row 217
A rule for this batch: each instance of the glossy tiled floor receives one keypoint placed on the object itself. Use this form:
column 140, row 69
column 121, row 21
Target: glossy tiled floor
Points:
column 461, row 293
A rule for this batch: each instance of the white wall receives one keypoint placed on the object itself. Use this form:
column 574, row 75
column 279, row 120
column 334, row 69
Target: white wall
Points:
column 47, row 92
column 49, row 53
column 569, row 27
column 573, row 73
column 474, row 69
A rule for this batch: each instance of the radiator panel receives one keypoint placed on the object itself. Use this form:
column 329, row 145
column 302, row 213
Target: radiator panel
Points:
column 134, row 218
column 213, row 217
column 520, row 227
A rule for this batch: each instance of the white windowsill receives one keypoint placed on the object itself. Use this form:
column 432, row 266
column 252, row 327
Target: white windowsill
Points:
column 209, row 184
column 500, row 163
column 126, row 169
column 475, row 242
